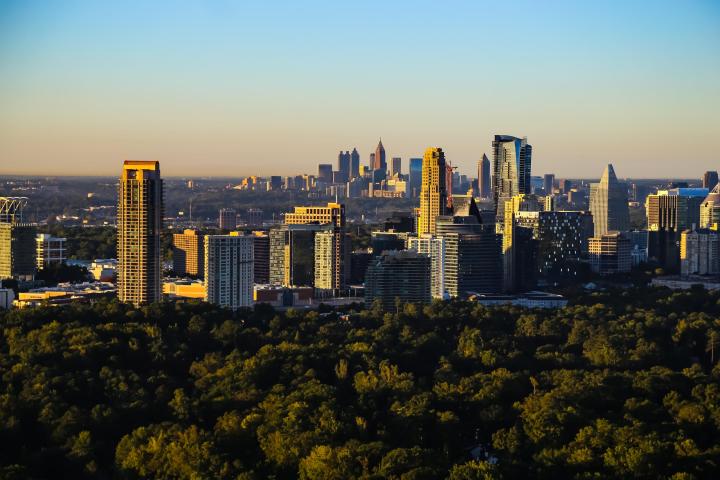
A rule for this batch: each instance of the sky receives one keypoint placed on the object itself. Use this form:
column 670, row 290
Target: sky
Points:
column 233, row 88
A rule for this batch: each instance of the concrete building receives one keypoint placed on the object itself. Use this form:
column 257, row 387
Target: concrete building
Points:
column 484, row 180
column 676, row 209
column 261, row 257
column 699, row 252
column 396, row 167
column 433, row 191
column 610, row 253
column 140, row 217
column 49, row 250
column 415, row 177
column 332, row 262
column 229, row 270
column 188, row 253
column 609, row 204
column 710, row 210
column 227, row 219
column 432, row 246
column 398, row 276
column 292, row 254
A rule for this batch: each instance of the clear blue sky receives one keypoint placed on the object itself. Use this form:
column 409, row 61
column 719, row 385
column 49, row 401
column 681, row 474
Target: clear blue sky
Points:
column 236, row 88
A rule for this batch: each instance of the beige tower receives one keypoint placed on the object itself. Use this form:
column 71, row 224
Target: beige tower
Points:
column 433, row 190
column 140, row 213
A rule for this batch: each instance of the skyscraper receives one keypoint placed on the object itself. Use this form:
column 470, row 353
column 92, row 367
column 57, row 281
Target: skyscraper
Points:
column 332, row 262
column 379, row 162
column 549, row 183
column 261, row 257
column 710, row 179
column 344, row 166
column 398, row 276
column 188, row 253
column 484, row 178
column 354, row 164
column 227, row 219
column 139, row 219
column 610, row 253
column 229, row 270
column 432, row 246
column 512, row 161
column 609, row 204
column 325, row 172
column 710, row 210
column 473, row 263
column 515, row 240
column 396, row 166
column 415, row 180
column 433, row 193
column 17, row 241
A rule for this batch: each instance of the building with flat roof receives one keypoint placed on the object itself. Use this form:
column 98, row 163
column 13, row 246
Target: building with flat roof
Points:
column 398, row 276
column 610, row 253
column 49, row 250
column 229, row 270
column 188, row 253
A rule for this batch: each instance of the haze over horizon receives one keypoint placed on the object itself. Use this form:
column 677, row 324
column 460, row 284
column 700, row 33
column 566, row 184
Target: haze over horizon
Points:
column 224, row 89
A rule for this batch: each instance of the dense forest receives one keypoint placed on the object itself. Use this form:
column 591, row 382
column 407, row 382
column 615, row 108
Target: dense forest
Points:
column 620, row 384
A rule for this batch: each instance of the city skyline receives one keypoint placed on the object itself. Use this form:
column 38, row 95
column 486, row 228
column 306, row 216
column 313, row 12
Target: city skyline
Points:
column 86, row 84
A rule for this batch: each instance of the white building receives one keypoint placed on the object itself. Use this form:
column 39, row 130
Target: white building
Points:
column 434, row 247
column 50, row 250
column 229, row 270
column 699, row 252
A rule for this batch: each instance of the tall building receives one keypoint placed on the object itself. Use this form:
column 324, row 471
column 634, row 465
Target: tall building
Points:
column 292, row 254
column 49, row 250
column 610, row 253
column 512, row 249
column 396, row 167
column 710, row 179
column 229, row 270
column 484, row 178
column 398, row 277
column 676, row 209
column 433, row 191
column 432, row 246
column 699, row 252
column 609, row 204
column 275, row 182
column 512, row 162
column 188, row 253
column 139, row 224
column 473, row 263
column 261, row 257
column 227, row 219
column 354, row 164
column 325, row 172
column 415, row 177
column 379, row 161
column 333, row 213
column 17, row 251
column 344, row 166
column 332, row 261
column 710, row 210
column 549, row 183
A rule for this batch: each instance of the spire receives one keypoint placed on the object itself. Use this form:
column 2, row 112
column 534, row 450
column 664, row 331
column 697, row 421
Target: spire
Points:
column 609, row 174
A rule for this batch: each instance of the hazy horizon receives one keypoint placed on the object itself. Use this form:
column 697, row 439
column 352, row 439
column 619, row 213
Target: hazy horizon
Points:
column 227, row 90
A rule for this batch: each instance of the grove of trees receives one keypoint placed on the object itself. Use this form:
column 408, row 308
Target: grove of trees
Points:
column 620, row 384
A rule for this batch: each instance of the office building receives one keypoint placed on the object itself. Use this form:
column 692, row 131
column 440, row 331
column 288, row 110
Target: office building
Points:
column 415, row 177
column 710, row 210
column 333, row 213
column 549, row 183
column 188, row 253
column 396, row 167
column 325, row 172
column 385, row 241
column 398, row 277
column 49, row 250
column 227, row 219
column 676, row 209
column 139, row 224
column 261, row 257
column 609, row 204
column 275, row 182
column 473, row 263
column 433, row 191
column 292, row 254
column 229, row 270
column 699, row 252
column 343, row 167
column 379, row 161
column 512, row 161
column 332, row 259
column 512, row 251
column 610, row 253
column 710, row 180
column 17, row 251
column 354, row 164
column 484, row 179
column 432, row 246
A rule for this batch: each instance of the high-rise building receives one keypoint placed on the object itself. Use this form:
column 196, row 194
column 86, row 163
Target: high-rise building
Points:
column 398, row 277
column 188, row 253
column 396, row 167
column 610, row 253
column 432, row 246
column 292, row 254
column 549, row 183
column 354, row 164
column 343, row 166
column 609, row 204
column 275, row 182
column 332, row 261
column 229, row 270
column 371, row 164
column 386, row 241
column 139, row 219
column 433, row 191
column 710, row 179
column 511, row 249
column 512, row 162
column 676, row 209
column 710, row 210
column 227, row 219
column 325, row 172
column 379, row 161
column 484, row 178
column 49, row 250
column 699, row 252
column 473, row 263
column 415, row 177
column 261, row 257
column 17, row 250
